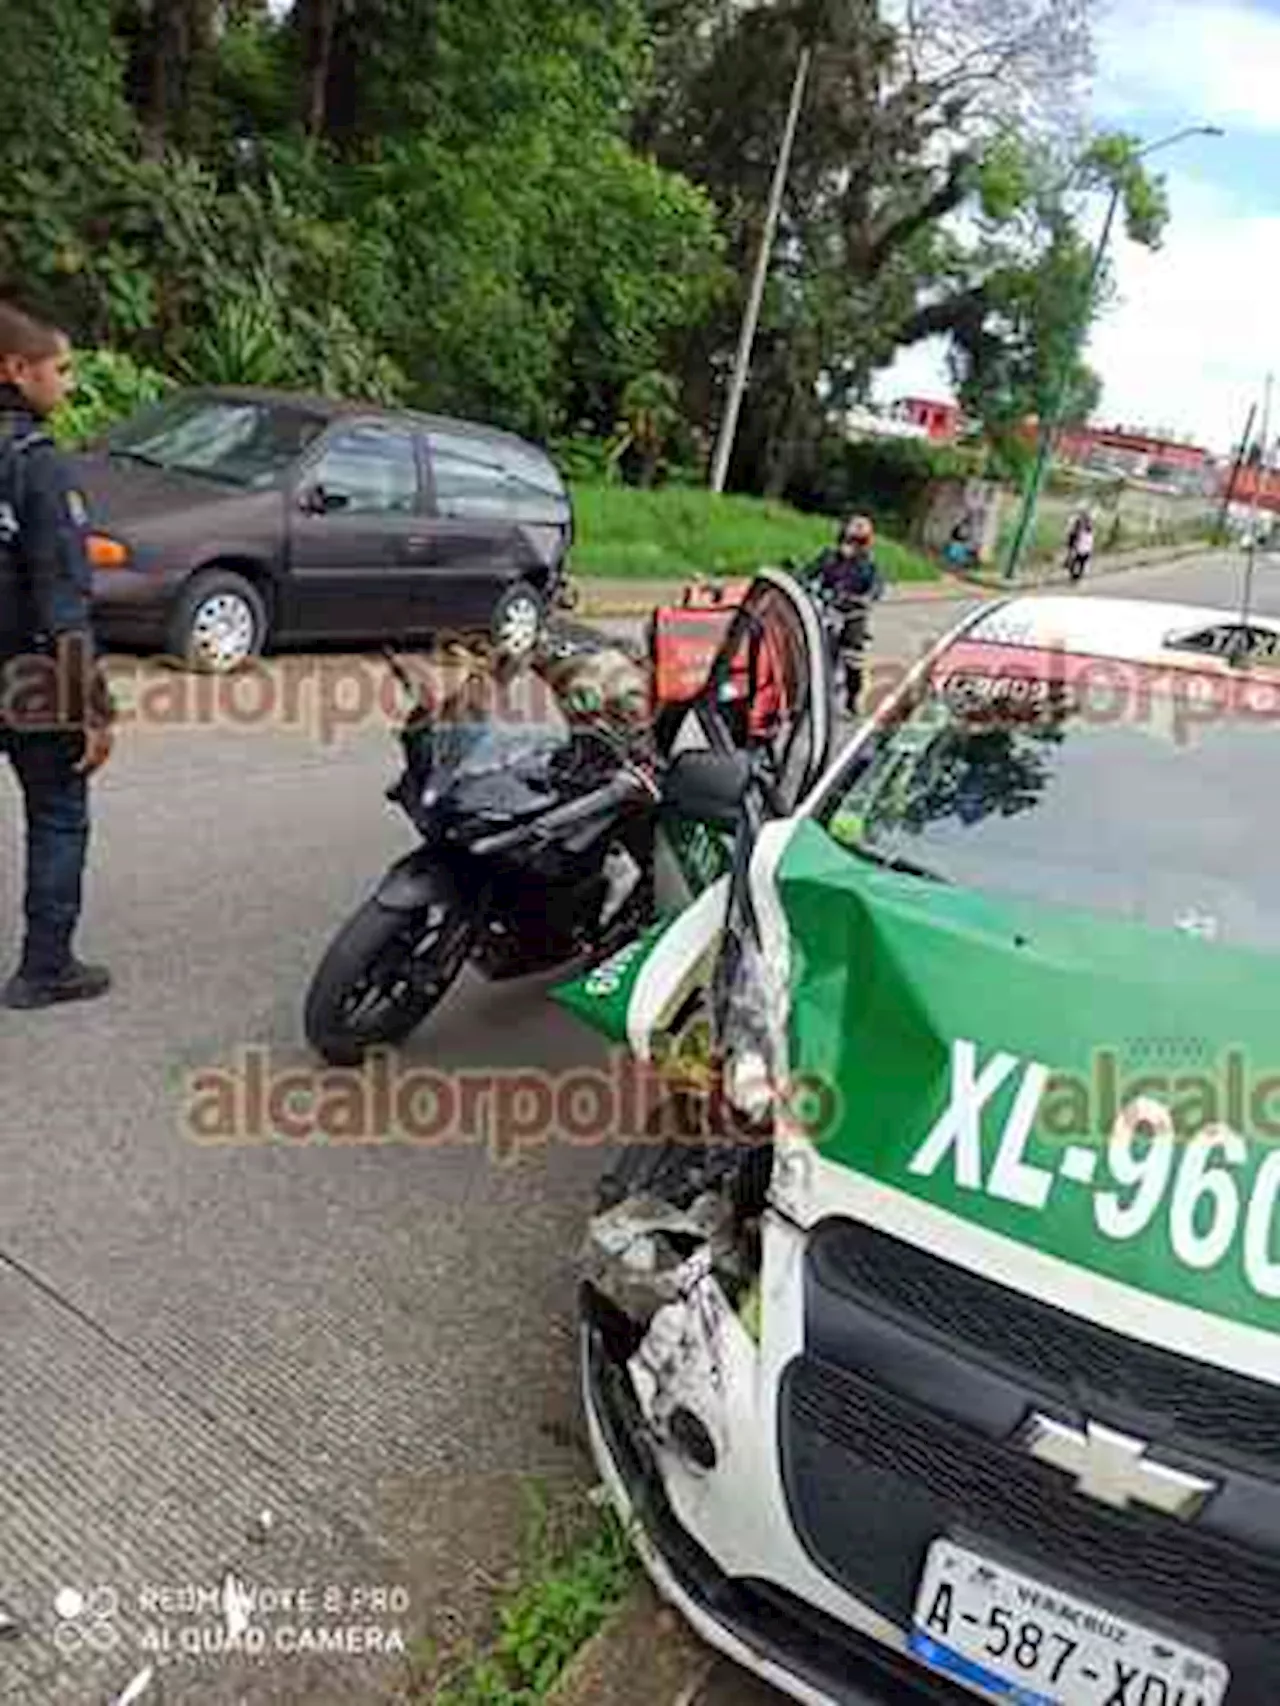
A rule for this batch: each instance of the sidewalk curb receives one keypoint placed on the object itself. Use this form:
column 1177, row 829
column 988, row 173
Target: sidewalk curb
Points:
column 601, row 597
column 1124, row 563
column 643, row 1655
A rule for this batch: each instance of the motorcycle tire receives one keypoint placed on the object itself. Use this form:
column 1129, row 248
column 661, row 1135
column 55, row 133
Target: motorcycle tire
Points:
column 379, row 951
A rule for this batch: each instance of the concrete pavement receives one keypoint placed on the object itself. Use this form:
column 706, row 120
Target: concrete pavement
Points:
column 371, row 1341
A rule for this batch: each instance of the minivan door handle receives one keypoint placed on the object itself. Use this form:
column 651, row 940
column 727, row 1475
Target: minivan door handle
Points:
column 419, row 545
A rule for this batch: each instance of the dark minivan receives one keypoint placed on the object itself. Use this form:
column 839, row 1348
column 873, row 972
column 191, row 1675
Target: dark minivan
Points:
column 226, row 520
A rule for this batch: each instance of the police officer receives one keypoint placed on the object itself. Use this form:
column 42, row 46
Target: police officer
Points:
column 55, row 710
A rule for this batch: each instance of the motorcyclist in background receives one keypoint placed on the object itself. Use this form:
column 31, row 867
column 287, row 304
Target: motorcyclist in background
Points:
column 848, row 580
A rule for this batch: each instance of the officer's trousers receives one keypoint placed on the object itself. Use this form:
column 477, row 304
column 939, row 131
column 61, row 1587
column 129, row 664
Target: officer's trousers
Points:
column 56, row 798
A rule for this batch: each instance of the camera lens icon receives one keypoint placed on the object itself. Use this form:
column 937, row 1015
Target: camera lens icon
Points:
column 86, row 1619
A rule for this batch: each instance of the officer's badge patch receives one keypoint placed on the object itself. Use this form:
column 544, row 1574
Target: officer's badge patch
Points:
column 77, row 509
column 8, row 524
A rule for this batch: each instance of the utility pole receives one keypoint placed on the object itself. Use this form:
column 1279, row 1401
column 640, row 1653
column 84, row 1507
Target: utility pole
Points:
column 1220, row 532
column 1253, row 517
column 1049, row 426
column 751, row 317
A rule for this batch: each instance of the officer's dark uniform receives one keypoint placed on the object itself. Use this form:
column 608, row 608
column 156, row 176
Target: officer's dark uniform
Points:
column 50, row 686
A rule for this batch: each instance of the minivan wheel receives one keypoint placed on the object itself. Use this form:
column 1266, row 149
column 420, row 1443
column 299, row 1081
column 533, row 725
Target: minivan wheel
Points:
column 219, row 623
column 518, row 619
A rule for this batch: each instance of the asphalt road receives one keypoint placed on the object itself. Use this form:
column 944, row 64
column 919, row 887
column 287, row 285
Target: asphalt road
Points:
column 369, row 1340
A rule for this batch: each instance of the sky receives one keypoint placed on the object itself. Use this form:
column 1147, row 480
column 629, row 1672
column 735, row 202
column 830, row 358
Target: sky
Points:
column 1188, row 344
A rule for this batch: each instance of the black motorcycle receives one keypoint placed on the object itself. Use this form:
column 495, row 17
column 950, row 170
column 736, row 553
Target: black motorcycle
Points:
column 536, row 849
column 846, row 631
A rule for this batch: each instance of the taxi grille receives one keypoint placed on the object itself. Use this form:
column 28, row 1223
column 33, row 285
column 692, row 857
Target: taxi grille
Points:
column 1057, row 1355
column 899, row 1423
column 872, row 1480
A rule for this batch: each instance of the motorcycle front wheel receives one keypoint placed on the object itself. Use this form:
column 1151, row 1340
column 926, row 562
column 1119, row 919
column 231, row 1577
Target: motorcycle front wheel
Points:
column 382, row 975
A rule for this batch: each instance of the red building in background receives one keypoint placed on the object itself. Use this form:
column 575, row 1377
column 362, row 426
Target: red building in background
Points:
column 1138, row 455
column 1115, row 451
column 1256, row 484
column 940, row 420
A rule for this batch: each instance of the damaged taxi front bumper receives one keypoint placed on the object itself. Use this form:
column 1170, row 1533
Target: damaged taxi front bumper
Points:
column 706, row 1513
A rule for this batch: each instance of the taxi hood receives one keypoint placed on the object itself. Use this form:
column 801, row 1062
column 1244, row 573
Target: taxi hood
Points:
column 1104, row 1092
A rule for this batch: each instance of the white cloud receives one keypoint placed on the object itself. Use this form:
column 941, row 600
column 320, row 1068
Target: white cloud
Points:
column 920, row 371
column 1216, row 61
column 1189, row 340
column 1189, row 344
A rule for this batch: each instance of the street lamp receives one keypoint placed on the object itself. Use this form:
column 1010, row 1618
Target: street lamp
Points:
column 1049, row 426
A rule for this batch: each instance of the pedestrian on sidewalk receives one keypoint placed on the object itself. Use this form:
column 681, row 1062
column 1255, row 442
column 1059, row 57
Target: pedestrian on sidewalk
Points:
column 1079, row 544
column 55, row 709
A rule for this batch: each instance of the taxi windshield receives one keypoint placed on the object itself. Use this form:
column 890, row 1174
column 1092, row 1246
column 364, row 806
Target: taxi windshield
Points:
column 1155, row 797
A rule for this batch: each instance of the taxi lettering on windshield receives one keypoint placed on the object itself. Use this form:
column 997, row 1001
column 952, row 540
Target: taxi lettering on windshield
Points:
column 973, row 693
column 1213, row 1196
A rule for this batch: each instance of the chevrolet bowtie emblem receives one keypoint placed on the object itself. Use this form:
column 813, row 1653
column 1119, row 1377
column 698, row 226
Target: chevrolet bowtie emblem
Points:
column 1115, row 1468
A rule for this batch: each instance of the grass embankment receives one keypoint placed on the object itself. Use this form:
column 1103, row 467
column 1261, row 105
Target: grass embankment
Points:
column 575, row 1573
column 1047, row 542
column 670, row 534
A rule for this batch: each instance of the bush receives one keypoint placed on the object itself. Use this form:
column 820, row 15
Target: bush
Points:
column 888, row 478
column 109, row 386
column 584, row 461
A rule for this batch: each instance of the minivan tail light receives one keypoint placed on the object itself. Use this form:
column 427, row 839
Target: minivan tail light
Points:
column 106, row 553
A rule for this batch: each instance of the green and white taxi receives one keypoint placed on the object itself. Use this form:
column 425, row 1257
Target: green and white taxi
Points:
column 937, row 1356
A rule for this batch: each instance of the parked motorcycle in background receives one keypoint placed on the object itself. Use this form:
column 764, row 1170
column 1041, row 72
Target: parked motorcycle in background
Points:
column 844, row 582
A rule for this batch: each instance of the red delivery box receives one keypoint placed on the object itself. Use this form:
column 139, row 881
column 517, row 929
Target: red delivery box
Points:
column 684, row 639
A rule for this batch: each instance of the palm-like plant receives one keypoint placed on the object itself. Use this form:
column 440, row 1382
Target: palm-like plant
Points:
column 650, row 416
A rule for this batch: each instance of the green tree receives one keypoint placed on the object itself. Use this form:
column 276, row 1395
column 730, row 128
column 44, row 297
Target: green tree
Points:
column 1016, row 303
column 171, row 48
column 897, row 121
column 530, row 280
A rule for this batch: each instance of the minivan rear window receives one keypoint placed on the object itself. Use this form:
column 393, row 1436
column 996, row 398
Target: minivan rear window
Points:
column 469, row 480
column 478, row 477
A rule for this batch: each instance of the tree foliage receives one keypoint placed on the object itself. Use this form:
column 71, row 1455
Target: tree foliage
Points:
column 905, row 128
column 1018, row 296
column 403, row 198
column 545, row 212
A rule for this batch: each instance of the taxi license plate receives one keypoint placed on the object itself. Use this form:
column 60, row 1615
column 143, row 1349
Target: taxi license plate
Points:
column 1013, row 1638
